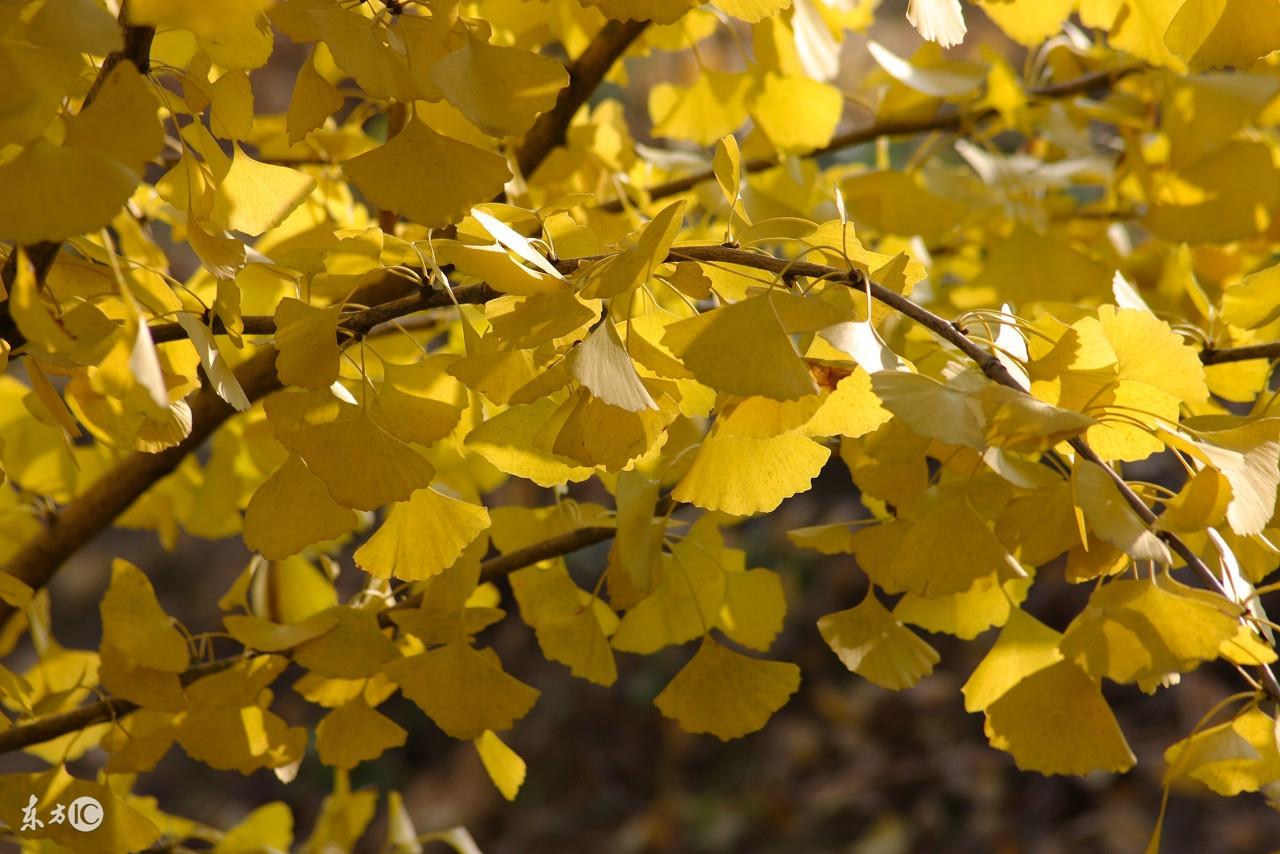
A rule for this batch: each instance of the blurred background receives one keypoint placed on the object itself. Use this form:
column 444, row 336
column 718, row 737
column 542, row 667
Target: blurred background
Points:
column 844, row 767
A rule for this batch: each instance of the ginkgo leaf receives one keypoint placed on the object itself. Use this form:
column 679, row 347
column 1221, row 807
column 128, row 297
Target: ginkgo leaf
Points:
column 636, row 265
column 567, row 622
column 66, row 191
column 939, row 21
column 714, row 346
column 121, row 121
column 944, row 412
column 797, row 114
column 873, row 644
column 726, row 165
column 1251, row 302
column 291, row 510
column 1136, row 630
column 314, row 99
column 306, row 337
column 463, row 691
column 504, row 766
column 221, row 376
column 421, row 537
column 354, row 648
column 754, row 608
column 135, row 626
column 968, row 613
column 1237, row 756
column 725, row 693
column 744, row 476
column 389, row 469
column 1111, row 517
column 266, row 636
column 420, row 402
column 500, row 89
column 1025, row 646
column 354, row 733
column 1056, row 721
column 507, row 441
column 1248, row 457
column 711, row 107
column 254, row 196
column 1215, row 33
column 852, row 409
column 602, row 365
column 427, row 177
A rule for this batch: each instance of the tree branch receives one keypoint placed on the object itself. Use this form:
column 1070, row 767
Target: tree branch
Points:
column 110, row 495
column 1221, row 356
column 111, row 708
column 585, row 74
column 136, row 49
column 954, row 120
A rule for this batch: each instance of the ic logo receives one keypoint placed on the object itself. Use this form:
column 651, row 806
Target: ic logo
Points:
column 85, row 814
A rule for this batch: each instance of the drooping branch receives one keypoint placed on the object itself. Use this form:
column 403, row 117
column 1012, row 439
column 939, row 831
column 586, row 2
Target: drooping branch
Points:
column 585, row 74
column 949, row 121
column 112, row 708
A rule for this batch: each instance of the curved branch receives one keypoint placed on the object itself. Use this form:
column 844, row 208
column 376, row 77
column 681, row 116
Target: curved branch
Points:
column 585, row 74
column 54, row 726
column 110, row 495
column 954, row 120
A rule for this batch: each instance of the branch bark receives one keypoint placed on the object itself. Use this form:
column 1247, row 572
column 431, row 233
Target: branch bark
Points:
column 98, row 506
column 585, row 74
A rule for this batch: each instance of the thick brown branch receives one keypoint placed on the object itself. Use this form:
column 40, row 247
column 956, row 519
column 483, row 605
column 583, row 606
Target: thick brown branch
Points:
column 1221, row 356
column 109, row 496
column 585, row 74
column 954, row 120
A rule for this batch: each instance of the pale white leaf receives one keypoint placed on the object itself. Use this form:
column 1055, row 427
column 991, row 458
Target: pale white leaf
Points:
column 215, row 366
column 603, row 367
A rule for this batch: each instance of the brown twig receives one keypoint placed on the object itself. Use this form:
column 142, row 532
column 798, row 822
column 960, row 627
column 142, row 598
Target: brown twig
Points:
column 953, row 120
column 585, row 74
column 1223, row 355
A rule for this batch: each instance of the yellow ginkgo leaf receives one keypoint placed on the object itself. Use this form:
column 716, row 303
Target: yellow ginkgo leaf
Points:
column 420, row 402
column 268, row 826
column 1248, row 458
column 388, row 470
column 504, row 766
column 876, row 646
column 744, row 476
column 231, row 105
column 948, row 413
column 1056, row 721
column 1025, row 645
column 314, row 99
column 307, row 338
column 422, row 537
column 636, row 265
column 216, row 368
column 427, row 177
column 714, row 105
column 291, row 510
column 754, row 608
column 1110, row 517
column 968, row 613
column 506, row 440
column 658, row 11
column 603, row 366
column 136, row 627
column 726, row 693
column 65, row 191
column 266, row 636
column 355, row 648
column 1251, row 302
column 1217, row 33
column 463, row 691
column 742, row 349
column 852, row 409
column 566, row 622
column 500, row 89
column 797, row 114
column 254, row 196
column 1136, row 630
column 121, row 121
column 354, row 733
column 1240, row 755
